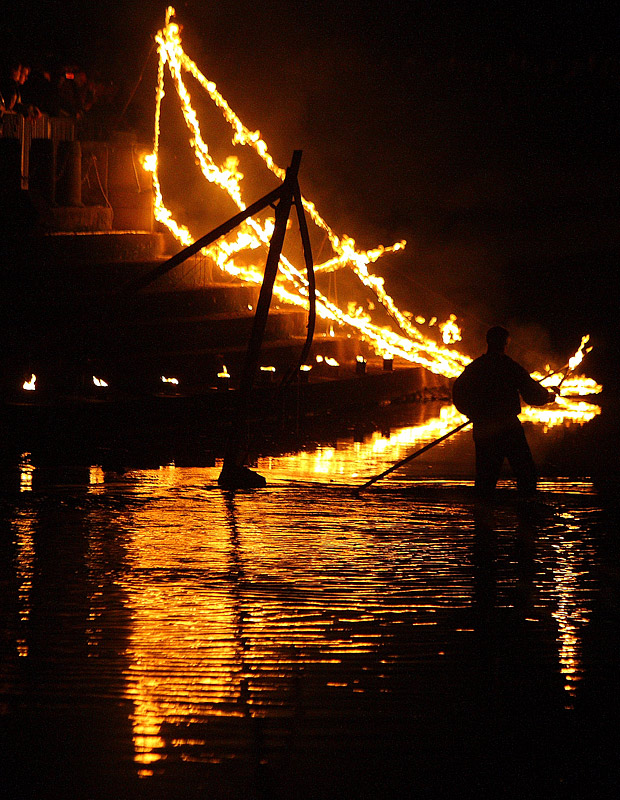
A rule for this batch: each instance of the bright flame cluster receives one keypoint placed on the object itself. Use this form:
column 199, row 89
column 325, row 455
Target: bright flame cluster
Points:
column 410, row 343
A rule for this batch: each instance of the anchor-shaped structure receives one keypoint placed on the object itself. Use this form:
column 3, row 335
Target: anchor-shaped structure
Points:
column 234, row 473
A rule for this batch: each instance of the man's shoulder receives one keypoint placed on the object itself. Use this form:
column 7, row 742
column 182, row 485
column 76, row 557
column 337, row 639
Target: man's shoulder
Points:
column 498, row 364
column 488, row 361
column 514, row 366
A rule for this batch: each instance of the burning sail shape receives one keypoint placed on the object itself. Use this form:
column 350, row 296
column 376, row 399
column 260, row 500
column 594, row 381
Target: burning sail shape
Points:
column 410, row 343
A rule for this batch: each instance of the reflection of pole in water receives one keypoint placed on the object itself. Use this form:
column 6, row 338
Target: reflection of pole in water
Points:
column 237, row 581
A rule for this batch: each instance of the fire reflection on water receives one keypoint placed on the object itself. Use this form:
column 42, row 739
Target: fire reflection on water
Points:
column 236, row 606
column 25, row 562
column 295, row 600
column 572, row 614
column 378, row 449
column 234, row 597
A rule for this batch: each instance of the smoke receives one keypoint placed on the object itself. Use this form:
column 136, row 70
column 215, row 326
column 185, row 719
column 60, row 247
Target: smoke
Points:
column 531, row 346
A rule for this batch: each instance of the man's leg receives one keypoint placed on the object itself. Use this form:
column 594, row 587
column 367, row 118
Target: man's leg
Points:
column 489, row 458
column 521, row 462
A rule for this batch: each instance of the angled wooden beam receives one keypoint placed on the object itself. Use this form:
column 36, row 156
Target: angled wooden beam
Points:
column 161, row 269
column 234, row 474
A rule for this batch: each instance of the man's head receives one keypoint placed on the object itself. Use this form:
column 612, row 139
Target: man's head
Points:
column 497, row 339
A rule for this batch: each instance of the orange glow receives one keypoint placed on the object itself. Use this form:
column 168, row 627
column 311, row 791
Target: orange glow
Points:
column 450, row 331
column 410, row 343
column 571, row 613
column 31, row 385
column 26, row 470
column 25, row 562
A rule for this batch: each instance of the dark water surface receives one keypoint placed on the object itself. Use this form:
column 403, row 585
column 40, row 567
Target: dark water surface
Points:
column 162, row 638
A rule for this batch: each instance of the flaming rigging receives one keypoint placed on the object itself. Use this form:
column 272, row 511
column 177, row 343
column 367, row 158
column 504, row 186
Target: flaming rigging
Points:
column 410, row 343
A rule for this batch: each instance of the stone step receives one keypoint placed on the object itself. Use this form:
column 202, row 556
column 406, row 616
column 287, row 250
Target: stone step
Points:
column 100, row 247
column 210, row 331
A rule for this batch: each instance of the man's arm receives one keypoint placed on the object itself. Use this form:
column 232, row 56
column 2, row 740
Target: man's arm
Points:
column 532, row 392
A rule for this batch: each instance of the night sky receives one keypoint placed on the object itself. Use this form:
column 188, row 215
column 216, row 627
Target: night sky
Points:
column 487, row 136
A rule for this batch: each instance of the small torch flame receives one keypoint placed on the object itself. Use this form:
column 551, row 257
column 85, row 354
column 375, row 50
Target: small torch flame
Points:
column 30, row 385
column 149, row 162
column 450, row 331
column 578, row 357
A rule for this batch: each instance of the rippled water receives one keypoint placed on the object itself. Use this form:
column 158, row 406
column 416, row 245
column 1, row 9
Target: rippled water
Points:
column 162, row 638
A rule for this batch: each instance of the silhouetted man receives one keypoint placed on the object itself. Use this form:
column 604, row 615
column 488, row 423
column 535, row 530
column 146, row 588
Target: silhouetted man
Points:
column 489, row 392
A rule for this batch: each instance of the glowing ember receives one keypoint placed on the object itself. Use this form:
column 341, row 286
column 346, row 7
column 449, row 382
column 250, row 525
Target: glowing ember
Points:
column 30, row 386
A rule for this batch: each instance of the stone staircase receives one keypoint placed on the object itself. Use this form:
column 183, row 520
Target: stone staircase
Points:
column 69, row 318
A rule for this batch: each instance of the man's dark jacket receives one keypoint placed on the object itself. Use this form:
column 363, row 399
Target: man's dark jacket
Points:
column 489, row 390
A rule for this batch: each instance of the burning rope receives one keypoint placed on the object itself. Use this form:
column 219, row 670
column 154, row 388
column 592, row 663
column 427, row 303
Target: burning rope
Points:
column 411, row 344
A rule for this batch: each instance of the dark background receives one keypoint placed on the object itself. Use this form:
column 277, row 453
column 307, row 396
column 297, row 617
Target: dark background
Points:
column 486, row 136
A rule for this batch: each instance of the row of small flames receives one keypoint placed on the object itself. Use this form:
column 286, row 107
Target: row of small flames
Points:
column 360, row 367
column 31, row 385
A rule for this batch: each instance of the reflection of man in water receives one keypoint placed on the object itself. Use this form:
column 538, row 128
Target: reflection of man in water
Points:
column 489, row 392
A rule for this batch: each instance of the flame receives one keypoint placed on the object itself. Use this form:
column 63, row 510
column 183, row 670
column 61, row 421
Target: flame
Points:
column 292, row 287
column 224, row 373
column 409, row 343
column 450, row 331
column 578, row 357
column 174, row 381
column 568, row 406
column 99, row 382
column 30, row 386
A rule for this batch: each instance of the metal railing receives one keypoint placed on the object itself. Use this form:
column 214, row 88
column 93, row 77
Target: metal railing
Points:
column 25, row 129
